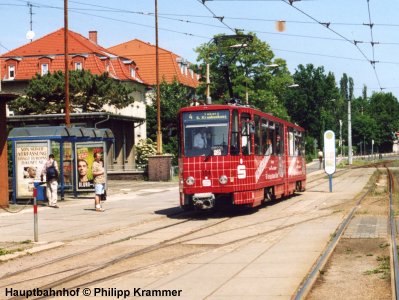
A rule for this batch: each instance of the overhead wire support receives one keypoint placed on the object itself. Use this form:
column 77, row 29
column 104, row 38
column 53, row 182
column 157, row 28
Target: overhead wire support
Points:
column 370, row 24
column 289, row 2
column 203, row 2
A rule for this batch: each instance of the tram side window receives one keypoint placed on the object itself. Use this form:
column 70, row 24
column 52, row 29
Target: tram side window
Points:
column 257, row 137
column 264, row 130
column 271, row 141
column 234, row 147
column 245, row 134
column 279, row 140
column 299, row 144
column 291, row 142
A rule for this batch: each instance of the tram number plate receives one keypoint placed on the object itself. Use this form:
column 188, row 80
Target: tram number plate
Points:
column 206, row 182
column 217, row 151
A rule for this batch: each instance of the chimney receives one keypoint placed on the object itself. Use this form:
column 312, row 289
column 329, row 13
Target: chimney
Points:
column 93, row 36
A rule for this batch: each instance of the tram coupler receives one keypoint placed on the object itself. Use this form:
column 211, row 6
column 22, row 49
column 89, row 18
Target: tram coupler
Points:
column 204, row 200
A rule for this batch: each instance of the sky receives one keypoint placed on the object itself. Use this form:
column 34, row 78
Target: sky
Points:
column 344, row 46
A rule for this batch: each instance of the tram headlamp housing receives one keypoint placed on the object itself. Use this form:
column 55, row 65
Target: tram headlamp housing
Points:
column 190, row 180
column 223, row 179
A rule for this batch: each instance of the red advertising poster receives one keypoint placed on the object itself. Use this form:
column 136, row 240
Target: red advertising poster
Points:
column 84, row 162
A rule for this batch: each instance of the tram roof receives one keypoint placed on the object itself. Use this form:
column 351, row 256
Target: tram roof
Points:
column 240, row 107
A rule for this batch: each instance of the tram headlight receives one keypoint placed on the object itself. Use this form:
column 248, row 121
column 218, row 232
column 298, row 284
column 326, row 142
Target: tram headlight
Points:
column 190, row 180
column 223, row 179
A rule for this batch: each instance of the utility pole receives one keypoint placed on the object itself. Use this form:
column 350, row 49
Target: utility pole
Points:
column 31, row 19
column 340, row 136
column 67, row 117
column 349, row 133
column 246, row 93
column 208, row 88
column 159, row 132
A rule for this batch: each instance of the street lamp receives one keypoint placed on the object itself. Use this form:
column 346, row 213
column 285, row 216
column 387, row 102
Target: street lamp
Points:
column 294, row 85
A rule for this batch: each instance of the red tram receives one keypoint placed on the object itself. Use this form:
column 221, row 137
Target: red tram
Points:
column 230, row 154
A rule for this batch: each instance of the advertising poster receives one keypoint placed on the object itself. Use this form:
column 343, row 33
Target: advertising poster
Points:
column 84, row 162
column 30, row 157
column 68, row 170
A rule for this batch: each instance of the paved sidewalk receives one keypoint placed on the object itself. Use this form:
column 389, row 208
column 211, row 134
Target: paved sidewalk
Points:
column 124, row 206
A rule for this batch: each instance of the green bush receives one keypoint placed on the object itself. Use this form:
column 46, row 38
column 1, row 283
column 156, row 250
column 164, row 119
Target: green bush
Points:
column 144, row 148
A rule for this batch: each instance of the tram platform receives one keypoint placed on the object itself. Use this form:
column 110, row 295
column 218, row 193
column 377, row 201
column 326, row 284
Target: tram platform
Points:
column 269, row 266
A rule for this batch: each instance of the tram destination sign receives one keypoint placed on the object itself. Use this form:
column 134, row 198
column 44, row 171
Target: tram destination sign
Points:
column 206, row 116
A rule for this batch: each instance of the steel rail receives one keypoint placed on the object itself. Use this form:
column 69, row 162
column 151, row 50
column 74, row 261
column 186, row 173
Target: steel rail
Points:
column 308, row 282
column 394, row 249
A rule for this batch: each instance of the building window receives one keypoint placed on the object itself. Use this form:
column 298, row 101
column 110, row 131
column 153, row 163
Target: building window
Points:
column 78, row 66
column 11, row 72
column 133, row 72
column 44, row 69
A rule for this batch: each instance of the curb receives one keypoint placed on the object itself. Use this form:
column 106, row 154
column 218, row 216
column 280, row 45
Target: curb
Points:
column 31, row 251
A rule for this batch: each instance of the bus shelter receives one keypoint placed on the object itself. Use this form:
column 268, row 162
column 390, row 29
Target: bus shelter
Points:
column 73, row 148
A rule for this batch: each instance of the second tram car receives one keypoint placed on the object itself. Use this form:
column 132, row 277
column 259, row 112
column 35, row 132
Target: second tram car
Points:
column 238, row 155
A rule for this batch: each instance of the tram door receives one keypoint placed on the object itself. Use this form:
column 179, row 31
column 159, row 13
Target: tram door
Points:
column 246, row 134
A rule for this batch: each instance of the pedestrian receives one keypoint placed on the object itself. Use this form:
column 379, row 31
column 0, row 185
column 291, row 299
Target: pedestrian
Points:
column 51, row 171
column 99, row 180
column 320, row 156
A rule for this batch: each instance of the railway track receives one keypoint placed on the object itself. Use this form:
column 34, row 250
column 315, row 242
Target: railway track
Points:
column 318, row 268
column 190, row 241
column 126, row 263
column 85, row 271
column 189, row 215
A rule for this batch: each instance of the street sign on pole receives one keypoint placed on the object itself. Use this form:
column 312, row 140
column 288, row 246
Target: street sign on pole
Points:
column 329, row 154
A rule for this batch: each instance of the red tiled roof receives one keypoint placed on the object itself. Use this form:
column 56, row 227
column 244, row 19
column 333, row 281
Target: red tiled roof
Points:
column 50, row 49
column 144, row 56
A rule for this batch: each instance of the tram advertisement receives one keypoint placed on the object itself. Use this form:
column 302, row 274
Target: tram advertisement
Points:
column 30, row 157
column 84, row 162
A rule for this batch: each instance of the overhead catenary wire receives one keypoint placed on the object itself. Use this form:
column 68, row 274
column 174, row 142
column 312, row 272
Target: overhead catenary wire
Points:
column 98, row 8
column 220, row 18
column 289, row 2
column 149, row 14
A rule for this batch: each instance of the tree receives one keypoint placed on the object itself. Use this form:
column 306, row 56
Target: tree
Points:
column 88, row 92
column 173, row 97
column 312, row 105
column 384, row 109
column 249, row 70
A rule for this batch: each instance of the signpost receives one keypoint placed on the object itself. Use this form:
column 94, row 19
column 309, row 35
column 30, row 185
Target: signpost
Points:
column 329, row 155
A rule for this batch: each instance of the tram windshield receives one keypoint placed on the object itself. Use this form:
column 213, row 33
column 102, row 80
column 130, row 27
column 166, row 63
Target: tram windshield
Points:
column 206, row 132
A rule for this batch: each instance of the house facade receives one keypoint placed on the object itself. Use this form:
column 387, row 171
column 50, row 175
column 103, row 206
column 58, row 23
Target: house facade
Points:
column 171, row 66
column 46, row 54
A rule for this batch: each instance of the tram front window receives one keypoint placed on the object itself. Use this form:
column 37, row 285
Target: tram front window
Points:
column 205, row 133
